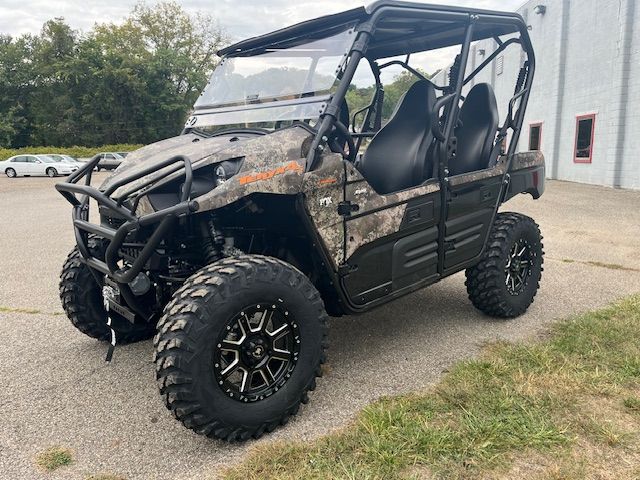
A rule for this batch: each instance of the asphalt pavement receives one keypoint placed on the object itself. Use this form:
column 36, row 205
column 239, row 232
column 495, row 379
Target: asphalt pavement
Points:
column 57, row 390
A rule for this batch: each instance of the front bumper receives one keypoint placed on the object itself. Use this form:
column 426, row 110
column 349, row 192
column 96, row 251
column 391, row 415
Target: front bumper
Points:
column 123, row 207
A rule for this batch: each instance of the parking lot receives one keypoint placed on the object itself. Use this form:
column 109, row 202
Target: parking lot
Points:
column 57, row 390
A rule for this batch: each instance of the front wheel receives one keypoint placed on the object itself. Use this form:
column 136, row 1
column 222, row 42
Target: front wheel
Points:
column 505, row 281
column 10, row 172
column 81, row 298
column 239, row 347
column 51, row 172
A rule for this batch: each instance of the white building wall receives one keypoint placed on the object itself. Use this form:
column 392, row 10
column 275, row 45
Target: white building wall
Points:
column 588, row 61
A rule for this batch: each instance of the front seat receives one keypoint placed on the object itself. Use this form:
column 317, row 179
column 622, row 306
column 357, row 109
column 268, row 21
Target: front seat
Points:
column 477, row 132
column 396, row 158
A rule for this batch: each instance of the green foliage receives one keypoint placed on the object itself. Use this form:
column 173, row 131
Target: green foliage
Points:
column 358, row 98
column 53, row 458
column 128, row 83
column 75, row 151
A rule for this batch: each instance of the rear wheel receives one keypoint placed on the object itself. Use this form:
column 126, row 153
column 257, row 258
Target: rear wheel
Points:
column 504, row 283
column 10, row 172
column 239, row 347
column 81, row 298
column 51, row 172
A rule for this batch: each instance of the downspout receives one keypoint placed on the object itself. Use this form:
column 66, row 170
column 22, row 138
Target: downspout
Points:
column 624, row 59
column 562, row 70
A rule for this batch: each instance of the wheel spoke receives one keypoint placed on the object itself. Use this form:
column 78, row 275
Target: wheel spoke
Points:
column 524, row 249
column 279, row 332
column 229, row 369
column 231, row 345
column 264, row 320
column 278, row 354
column 506, row 282
column 267, row 375
column 245, row 377
column 244, row 324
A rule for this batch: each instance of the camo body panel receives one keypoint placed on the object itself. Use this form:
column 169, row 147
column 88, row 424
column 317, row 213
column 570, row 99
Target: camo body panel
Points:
column 260, row 153
column 519, row 161
column 323, row 189
column 364, row 229
column 524, row 160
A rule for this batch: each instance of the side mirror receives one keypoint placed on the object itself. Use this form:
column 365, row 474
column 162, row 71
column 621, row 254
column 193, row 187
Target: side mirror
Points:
column 38, row 161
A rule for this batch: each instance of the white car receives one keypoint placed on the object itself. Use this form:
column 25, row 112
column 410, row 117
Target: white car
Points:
column 64, row 159
column 35, row 165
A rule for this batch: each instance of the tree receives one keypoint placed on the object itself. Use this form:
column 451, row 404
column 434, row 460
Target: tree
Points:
column 129, row 83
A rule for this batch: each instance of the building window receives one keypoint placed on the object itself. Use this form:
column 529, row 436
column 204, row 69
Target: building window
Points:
column 585, row 128
column 535, row 136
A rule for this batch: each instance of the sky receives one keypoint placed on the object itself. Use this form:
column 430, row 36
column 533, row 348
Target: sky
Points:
column 239, row 18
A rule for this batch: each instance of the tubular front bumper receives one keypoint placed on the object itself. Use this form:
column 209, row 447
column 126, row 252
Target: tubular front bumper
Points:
column 79, row 195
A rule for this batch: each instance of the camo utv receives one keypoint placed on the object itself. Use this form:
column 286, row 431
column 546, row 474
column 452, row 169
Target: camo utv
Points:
column 275, row 207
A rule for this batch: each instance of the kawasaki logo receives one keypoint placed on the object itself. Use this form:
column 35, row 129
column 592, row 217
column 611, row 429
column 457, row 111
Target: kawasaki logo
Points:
column 269, row 174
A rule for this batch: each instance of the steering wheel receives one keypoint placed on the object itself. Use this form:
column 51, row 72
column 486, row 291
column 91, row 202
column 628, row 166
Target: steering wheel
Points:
column 340, row 138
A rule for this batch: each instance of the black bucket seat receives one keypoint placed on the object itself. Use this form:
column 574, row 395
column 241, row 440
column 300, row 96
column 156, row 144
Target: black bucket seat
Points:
column 477, row 131
column 396, row 158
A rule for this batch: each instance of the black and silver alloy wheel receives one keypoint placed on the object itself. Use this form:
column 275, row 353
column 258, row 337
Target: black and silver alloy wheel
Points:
column 518, row 267
column 51, row 172
column 257, row 352
column 10, row 172
column 240, row 346
column 505, row 281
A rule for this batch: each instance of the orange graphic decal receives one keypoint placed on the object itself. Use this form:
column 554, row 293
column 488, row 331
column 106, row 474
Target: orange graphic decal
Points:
column 258, row 176
column 328, row 181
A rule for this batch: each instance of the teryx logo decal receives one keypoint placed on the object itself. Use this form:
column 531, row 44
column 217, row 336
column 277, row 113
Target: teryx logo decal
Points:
column 258, row 176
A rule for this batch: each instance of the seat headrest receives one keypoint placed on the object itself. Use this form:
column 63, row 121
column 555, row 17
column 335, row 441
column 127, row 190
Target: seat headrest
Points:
column 481, row 96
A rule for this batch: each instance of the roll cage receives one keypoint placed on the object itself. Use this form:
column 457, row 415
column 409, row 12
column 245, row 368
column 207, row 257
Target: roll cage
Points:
column 390, row 28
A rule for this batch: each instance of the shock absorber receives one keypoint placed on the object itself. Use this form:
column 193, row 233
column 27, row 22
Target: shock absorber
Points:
column 212, row 239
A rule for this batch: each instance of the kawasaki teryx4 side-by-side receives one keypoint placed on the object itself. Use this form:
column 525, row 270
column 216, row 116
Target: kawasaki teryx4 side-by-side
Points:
column 276, row 206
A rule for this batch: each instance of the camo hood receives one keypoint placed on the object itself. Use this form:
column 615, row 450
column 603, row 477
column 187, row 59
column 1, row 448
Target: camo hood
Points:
column 259, row 151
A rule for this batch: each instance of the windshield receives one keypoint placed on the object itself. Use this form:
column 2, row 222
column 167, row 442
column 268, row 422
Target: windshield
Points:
column 306, row 69
column 46, row 159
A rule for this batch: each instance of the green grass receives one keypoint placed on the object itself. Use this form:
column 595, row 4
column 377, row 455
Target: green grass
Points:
column 76, row 152
column 53, row 458
column 568, row 402
column 633, row 404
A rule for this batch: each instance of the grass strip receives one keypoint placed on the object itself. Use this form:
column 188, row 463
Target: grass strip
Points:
column 566, row 407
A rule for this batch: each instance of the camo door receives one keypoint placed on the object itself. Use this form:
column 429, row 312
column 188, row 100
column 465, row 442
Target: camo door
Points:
column 391, row 242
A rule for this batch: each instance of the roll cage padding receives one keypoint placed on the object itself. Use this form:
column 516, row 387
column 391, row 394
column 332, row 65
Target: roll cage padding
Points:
column 396, row 158
column 477, row 131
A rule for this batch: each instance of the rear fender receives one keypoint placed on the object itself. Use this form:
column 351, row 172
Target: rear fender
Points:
column 527, row 175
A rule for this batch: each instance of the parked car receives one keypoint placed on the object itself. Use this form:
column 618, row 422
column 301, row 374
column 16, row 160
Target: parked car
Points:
column 108, row 160
column 35, row 165
column 64, row 159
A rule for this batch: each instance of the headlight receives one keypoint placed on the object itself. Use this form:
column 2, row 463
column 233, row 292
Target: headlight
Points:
column 227, row 169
